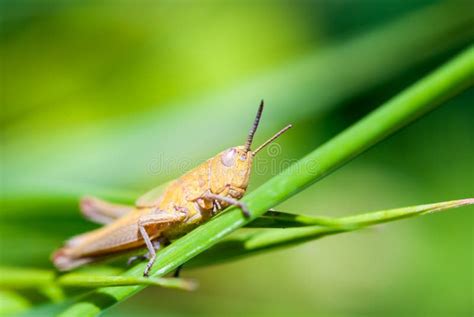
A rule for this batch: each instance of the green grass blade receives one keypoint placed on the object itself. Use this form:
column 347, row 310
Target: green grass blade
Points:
column 396, row 113
column 11, row 277
column 244, row 245
column 22, row 278
column 383, row 216
column 278, row 238
column 279, row 219
column 93, row 281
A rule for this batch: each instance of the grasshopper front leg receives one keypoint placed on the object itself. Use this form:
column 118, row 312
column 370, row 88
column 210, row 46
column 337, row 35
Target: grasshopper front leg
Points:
column 230, row 201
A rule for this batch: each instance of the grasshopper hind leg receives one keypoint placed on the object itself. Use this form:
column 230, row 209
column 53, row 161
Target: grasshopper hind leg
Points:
column 101, row 211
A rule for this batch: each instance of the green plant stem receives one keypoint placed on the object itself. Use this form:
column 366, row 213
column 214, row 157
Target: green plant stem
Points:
column 279, row 219
column 25, row 278
column 93, row 280
column 266, row 240
column 396, row 113
column 278, row 238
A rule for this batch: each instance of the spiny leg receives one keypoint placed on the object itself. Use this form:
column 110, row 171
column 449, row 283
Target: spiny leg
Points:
column 231, row 201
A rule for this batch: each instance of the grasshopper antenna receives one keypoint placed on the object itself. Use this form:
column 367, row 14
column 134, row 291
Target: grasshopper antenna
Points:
column 272, row 139
column 254, row 127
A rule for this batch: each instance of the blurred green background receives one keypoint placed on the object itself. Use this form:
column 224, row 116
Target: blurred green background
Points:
column 112, row 98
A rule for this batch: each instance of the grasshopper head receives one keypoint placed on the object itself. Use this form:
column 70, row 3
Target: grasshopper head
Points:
column 232, row 166
column 235, row 164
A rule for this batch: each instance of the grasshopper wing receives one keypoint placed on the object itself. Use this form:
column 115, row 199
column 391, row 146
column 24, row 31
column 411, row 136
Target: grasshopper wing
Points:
column 119, row 236
column 152, row 197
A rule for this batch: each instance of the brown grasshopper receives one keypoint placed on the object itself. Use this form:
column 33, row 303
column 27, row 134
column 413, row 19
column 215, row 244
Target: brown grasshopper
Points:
column 161, row 216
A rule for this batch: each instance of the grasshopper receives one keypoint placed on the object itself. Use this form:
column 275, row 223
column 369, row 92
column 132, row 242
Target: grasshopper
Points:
column 159, row 217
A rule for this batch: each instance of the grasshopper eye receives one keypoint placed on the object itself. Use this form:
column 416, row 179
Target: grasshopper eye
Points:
column 228, row 158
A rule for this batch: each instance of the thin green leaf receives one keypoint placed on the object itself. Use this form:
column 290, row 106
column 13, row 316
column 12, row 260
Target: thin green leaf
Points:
column 25, row 277
column 246, row 244
column 93, row 281
column 279, row 219
column 277, row 238
column 395, row 114
column 46, row 282
column 400, row 213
